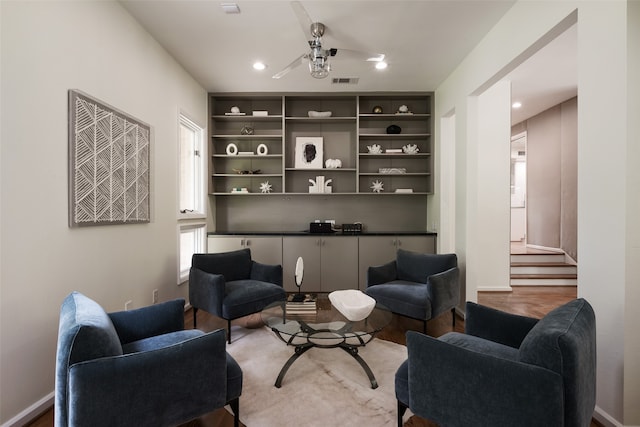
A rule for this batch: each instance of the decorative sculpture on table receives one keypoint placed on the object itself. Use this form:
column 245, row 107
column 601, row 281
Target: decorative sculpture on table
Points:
column 298, row 276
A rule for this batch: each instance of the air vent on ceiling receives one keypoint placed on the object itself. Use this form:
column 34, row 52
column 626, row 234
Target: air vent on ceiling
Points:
column 345, row 80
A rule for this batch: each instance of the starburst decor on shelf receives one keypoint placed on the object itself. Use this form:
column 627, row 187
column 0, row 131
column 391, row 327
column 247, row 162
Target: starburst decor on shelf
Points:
column 265, row 187
column 377, row 186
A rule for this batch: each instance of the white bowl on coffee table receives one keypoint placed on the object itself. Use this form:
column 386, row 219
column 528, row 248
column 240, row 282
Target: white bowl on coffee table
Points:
column 353, row 304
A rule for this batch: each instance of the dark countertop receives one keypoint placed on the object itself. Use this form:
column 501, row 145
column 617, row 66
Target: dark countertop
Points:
column 306, row 233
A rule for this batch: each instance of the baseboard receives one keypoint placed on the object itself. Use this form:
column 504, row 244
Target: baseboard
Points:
column 545, row 248
column 604, row 419
column 32, row 412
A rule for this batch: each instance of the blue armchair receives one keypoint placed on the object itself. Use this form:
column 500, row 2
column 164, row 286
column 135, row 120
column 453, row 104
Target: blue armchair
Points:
column 506, row 370
column 139, row 367
column 231, row 285
column 420, row 286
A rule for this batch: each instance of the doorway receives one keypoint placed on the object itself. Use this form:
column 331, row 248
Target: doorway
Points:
column 519, row 188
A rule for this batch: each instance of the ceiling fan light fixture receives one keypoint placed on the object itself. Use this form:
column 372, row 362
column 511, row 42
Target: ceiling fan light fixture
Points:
column 319, row 67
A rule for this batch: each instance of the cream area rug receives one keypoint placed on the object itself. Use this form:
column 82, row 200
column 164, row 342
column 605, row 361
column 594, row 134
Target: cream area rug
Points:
column 323, row 387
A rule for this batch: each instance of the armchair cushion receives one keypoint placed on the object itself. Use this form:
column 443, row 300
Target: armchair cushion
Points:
column 416, row 267
column 249, row 296
column 164, row 340
column 399, row 296
column 235, row 265
column 158, row 319
column 495, row 325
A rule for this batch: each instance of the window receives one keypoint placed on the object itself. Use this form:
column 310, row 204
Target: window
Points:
column 191, row 169
column 192, row 240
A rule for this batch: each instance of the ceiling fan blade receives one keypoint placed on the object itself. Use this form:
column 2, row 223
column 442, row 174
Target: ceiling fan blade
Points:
column 303, row 17
column 358, row 54
column 295, row 63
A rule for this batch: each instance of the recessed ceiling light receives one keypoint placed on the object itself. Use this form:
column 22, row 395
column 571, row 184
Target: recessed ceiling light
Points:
column 230, row 7
column 516, row 105
column 381, row 65
column 259, row 66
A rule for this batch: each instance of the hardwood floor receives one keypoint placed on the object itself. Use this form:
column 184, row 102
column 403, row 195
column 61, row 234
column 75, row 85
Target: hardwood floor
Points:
column 528, row 301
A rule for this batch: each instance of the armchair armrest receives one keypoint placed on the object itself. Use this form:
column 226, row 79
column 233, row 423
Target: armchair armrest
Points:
column 166, row 386
column 266, row 273
column 381, row 273
column 440, row 373
column 206, row 290
column 149, row 321
column 444, row 290
column 497, row 326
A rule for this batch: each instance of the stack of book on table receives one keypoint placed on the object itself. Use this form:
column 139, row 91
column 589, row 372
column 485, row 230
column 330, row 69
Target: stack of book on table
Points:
column 301, row 304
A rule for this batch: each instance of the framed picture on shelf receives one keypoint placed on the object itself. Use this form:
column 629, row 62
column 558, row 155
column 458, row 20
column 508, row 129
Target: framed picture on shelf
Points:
column 308, row 152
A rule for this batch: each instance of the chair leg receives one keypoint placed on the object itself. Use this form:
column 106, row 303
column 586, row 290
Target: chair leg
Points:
column 453, row 317
column 402, row 408
column 235, row 408
column 228, row 331
column 195, row 311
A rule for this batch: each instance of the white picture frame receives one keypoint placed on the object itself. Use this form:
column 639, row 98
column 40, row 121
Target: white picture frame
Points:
column 308, row 152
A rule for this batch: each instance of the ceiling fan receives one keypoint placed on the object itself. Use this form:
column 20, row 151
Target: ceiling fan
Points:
column 318, row 57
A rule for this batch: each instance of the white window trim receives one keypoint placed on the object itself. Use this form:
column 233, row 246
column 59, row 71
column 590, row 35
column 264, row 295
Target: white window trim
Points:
column 202, row 245
column 203, row 167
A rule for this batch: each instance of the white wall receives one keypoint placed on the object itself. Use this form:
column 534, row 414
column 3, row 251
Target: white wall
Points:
column 608, row 178
column 95, row 46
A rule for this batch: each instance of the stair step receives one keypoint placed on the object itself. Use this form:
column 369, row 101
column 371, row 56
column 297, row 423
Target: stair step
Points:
column 537, row 281
column 542, row 268
column 544, row 276
column 549, row 257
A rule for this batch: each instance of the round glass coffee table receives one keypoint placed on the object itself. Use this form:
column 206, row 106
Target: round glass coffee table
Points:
column 324, row 327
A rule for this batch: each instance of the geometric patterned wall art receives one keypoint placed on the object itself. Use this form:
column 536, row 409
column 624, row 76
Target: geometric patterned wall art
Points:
column 109, row 153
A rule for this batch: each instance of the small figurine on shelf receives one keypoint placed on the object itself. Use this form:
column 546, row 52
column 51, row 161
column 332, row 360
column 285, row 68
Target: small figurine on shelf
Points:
column 377, row 186
column 265, row 187
column 374, row 149
column 246, row 130
column 333, row 163
column 410, row 149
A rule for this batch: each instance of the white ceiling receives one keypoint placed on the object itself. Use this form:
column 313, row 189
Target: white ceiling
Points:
column 423, row 40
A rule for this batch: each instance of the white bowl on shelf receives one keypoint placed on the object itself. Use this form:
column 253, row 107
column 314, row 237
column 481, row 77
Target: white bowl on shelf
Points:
column 353, row 304
column 319, row 113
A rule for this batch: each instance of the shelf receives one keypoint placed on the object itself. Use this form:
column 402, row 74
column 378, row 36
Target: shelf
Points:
column 247, row 194
column 247, row 136
column 398, row 155
column 247, row 117
column 320, row 170
column 345, row 134
column 387, row 117
column 394, row 135
column 320, row 119
column 409, row 174
column 248, row 175
column 248, row 156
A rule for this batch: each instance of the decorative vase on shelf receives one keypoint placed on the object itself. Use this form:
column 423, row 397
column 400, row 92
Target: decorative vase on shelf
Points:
column 394, row 129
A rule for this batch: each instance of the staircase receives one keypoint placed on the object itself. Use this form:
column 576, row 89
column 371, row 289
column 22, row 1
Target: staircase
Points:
column 537, row 267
